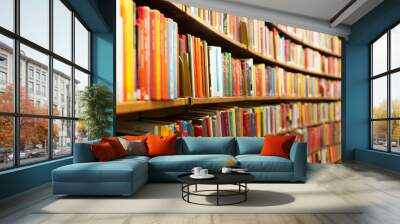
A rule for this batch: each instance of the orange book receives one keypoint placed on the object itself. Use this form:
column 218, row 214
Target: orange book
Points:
column 144, row 53
column 154, row 53
column 200, row 66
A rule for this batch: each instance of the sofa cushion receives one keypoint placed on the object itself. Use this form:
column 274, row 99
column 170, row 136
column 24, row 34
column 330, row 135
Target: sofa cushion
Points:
column 134, row 147
column 277, row 145
column 103, row 152
column 208, row 145
column 185, row 163
column 161, row 145
column 257, row 163
column 249, row 145
column 112, row 171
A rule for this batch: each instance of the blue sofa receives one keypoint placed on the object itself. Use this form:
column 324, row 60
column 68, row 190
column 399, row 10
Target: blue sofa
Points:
column 125, row 176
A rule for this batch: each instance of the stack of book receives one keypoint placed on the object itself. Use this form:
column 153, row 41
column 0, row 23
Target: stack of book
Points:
column 324, row 41
column 288, row 52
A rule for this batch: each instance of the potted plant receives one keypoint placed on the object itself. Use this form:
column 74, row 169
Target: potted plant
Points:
column 96, row 104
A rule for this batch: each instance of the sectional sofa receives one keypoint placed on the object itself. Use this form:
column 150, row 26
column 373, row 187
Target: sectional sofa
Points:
column 125, row 176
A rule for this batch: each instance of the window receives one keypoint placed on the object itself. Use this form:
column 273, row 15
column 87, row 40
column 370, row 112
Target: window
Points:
column 47, row 75
column 81, row 45
column 30, row 87
column 7, row 14
column 3, row 78
column 35, row 21
column 385, row 94
column 7, row 73
column 30, row 72
column 62, row 29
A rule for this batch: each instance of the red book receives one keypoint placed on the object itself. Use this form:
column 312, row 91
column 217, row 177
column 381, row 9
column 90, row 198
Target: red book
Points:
column 197, row 130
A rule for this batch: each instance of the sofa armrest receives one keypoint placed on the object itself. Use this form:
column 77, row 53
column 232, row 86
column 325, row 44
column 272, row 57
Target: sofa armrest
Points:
column 298, row 155
column 83, row 152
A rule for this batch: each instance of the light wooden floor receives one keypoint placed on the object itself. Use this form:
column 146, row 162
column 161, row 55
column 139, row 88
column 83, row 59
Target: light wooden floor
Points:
column 379, row 189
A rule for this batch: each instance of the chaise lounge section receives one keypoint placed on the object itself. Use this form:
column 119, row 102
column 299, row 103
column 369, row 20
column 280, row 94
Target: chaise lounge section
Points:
column 125, row 176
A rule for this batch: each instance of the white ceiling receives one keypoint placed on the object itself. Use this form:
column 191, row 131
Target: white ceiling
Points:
column 315, row 15
column 321, row 9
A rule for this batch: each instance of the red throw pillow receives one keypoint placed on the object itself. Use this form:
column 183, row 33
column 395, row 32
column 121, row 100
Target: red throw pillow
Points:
column 161, row 146
column 103, row 152
column 135, row 138
column 116, row 145
column 277, row 145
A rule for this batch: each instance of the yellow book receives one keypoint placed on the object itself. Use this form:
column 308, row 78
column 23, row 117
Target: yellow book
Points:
column 264, row 121
column 258, row 125
column 127, row 9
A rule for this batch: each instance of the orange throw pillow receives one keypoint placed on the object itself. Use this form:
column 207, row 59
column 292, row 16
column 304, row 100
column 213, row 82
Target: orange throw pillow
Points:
column 277, row 145
column 135, row 138
column 103, row 152
column 116, row 145
column 161, row 146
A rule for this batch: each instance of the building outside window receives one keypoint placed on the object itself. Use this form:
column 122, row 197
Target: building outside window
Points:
column 56, row 129
column 385, row 94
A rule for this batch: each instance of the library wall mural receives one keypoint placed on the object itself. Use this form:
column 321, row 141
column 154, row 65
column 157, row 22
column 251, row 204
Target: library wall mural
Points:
column 210, row 73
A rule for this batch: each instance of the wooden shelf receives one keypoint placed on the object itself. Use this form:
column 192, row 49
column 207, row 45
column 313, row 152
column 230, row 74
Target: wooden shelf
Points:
column 188, row 23
column 304, row 43
column 213, row 100
column 139, row 106
column 295, row 68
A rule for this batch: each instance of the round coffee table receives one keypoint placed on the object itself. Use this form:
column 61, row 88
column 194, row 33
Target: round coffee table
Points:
column 238, row 179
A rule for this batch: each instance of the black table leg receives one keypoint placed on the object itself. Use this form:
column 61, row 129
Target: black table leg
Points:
column 217, row 194
column 196, row 187
column 245, row 193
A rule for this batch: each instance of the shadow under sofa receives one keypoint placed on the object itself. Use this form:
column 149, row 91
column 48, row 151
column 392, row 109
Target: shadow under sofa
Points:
column 125, row 176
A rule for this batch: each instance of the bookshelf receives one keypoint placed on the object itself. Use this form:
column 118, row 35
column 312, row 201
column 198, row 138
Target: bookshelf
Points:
column 198, row 28
column 195, row 26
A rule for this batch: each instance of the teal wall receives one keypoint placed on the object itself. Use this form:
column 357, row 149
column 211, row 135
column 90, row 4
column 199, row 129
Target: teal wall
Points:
column 356, row 99
column 103, row 63
column 99, row 16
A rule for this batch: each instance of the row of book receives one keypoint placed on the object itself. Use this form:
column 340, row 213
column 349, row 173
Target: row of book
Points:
column 322, row 136
column 289, row 52
column 264, row 39
column 206, row 71
column 328, row 154
column 214, row 121
column 149, row 51
column 320, row 40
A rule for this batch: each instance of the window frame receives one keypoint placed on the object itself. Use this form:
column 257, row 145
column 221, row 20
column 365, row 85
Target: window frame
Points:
column 16, row 115
column 388, row 74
